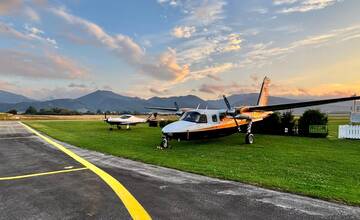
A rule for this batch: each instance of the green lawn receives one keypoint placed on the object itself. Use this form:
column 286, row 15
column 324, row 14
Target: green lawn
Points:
column 323, row 168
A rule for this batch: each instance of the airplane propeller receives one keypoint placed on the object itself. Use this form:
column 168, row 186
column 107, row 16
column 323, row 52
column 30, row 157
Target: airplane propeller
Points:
column 231, row 111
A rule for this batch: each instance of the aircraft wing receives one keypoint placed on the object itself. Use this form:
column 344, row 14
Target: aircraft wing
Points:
column 301, row 104
column 163, row 109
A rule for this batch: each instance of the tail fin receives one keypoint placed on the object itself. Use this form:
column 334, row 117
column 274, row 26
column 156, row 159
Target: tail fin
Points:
column 264, row 93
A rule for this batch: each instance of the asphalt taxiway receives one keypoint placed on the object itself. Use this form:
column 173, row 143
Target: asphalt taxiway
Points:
column 40, row 181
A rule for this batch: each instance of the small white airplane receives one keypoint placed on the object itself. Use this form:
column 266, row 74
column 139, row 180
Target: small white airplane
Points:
column 127, row 120
column 209, row 123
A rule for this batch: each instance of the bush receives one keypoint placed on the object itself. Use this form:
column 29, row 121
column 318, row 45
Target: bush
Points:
column 287, row 122
column 312, row 117
column 31, row 110
column 163, row 123
column 57, row 111
column 270, row 125
column 12, row 111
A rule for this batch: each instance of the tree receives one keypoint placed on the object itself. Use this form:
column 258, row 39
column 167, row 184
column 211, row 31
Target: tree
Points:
column 12, row 111
column 312, row 117
column 31, row 110
column 288, row 122
column 270, row 125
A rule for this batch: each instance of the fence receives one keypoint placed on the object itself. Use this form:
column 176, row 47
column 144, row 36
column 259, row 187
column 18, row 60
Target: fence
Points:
column 349, row 131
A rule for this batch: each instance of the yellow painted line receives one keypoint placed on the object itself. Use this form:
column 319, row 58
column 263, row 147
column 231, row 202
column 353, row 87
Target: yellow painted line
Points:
column 42, row 174
column 134, row 208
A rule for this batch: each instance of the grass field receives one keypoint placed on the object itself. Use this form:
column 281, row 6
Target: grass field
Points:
column 323, row 168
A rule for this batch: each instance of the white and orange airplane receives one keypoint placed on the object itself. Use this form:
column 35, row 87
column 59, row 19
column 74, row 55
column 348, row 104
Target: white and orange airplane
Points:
column 209, row 123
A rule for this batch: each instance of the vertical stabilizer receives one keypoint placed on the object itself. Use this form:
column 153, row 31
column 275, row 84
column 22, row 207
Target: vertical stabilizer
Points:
column 264, row 93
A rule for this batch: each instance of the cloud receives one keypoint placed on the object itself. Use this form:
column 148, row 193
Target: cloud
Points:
column 172, row 3
column 9, row 31
column 6, row 86
column 260, row 10
column 204, row 12
column 304, row 5
column 234, row 42
column 31, row 33
column 19, row 63
column 121, row 45
column 159, row 91
column 8, row 6
column 32, row 14
column 232, row 88
column 167, row 68
column 282, row 2
column 164, row 67
column 212, row 71
column 263, row 52
column 200, row 49
column 21, row 7
column 34, row 33
column 74, row 85
column 183, row 31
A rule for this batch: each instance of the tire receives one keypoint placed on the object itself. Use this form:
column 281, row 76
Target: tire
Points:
column 164, row 143
column 249, row 138
column 118, row 127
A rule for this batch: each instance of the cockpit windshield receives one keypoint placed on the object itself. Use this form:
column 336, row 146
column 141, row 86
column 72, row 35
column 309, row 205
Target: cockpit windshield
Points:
column 195, row 117
column 125, row 116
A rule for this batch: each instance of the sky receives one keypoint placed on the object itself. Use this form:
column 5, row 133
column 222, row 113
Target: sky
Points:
column 144, row 48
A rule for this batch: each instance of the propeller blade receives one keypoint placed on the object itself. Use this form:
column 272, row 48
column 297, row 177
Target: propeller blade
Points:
column 230, row 110
column 227, row 103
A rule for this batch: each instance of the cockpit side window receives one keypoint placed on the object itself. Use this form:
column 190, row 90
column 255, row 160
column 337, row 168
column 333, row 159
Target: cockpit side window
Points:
column 214, row 118
column 191, row 116
column 194, row 117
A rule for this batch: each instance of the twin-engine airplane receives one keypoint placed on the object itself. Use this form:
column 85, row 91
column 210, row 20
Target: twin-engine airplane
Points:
column 127, row 120
column 207, row 123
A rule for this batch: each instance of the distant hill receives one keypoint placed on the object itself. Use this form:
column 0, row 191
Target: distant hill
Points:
column 9, row 97
column 109, row 101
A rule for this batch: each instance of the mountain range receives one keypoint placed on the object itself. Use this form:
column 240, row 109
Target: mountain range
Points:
column 110, row 101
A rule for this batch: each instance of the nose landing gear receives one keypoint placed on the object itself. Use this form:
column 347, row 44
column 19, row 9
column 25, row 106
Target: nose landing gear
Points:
column 249, row 138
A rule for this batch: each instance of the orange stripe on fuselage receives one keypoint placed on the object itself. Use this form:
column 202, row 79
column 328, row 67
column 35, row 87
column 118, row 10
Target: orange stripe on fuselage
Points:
column 230, row 122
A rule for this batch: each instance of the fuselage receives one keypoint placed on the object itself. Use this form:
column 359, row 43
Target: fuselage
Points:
column 206, row 123
column 125, row 120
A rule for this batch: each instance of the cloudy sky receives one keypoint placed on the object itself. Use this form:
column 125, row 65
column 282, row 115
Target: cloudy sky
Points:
column 62, row 49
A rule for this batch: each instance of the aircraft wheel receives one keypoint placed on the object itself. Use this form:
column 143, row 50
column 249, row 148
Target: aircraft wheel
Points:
column 119, row 127
column 110, row 129
column 164, row 142
column 249, row 138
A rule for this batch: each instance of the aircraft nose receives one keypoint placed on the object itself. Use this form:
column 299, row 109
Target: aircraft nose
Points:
column 177, row 127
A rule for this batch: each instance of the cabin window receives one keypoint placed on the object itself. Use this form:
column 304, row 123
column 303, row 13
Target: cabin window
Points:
column 214, row 118
column 203, row 119
column 222, row 116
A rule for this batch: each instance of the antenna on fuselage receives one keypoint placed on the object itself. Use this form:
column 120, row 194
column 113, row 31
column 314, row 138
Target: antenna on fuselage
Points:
column 198, row 106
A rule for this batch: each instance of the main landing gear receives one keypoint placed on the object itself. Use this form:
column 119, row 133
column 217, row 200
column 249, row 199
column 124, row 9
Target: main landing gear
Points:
column 249, row 138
